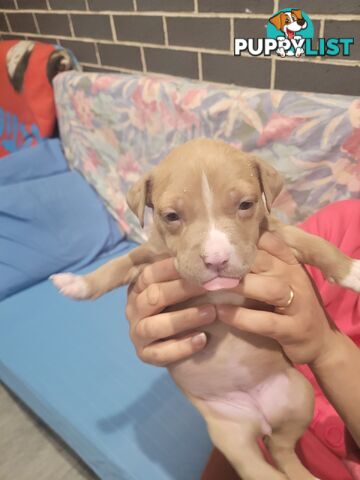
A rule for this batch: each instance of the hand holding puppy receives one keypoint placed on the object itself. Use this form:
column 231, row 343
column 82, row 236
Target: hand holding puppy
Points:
column 302, row 329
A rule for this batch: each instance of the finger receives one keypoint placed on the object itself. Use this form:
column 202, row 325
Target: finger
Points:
column 275, row 245
column 264, row 262
column 264, row 323
column 170, row 351
column 158, row 272
column 168, row 324
column 157, row 296
column 270, row 290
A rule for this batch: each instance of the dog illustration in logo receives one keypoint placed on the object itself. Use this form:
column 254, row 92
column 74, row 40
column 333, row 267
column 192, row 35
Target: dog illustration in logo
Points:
column 289, row 23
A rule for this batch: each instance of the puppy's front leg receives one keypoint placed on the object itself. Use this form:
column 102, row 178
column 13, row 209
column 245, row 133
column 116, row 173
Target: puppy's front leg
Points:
column 113, row 274
column 313, row 250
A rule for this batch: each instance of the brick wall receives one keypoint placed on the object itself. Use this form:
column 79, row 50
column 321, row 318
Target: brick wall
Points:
column 190, row 38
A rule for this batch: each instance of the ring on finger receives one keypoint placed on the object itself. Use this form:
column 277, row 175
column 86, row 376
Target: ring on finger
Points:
column 289, row 302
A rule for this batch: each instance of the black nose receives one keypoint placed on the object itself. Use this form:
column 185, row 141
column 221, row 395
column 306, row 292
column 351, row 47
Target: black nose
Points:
column 301, row 22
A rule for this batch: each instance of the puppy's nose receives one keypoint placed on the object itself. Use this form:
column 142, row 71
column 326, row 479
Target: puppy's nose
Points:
column 301, row 22
column 216, row 261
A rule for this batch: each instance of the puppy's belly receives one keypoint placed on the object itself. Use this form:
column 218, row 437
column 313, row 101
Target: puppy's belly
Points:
column 232, row 361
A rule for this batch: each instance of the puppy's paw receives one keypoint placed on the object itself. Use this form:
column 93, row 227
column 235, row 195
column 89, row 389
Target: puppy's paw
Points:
column 70, row 285
column 352, row 279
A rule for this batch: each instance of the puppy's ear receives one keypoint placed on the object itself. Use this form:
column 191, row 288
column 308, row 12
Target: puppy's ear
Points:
column 297, row 13
column 139, row 196
column 278, row 20
column 271, row 182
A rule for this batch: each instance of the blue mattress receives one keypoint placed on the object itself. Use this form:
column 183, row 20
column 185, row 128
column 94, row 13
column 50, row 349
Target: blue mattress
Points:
column 73, row 364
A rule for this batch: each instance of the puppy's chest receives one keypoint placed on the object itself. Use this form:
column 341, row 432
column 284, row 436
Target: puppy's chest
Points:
column 232, row 360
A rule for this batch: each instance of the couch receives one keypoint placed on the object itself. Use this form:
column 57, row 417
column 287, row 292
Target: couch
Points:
column 72, row 363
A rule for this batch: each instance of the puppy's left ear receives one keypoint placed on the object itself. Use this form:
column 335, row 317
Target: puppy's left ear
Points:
column 297, row 13
column 271, row 182
column 139, row 196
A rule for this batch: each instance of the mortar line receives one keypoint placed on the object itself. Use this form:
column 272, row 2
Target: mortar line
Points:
column 322, row 28
column 71, row 25
column 143, row 59
column 36, row 23
column 276, row 6
column 113, row 29
column 200, row 66
column 232, row 34
column 273, row 73
column 348, row 63
column 314, row 16
column 8, row 23
column 166, row 36
column 97, row 54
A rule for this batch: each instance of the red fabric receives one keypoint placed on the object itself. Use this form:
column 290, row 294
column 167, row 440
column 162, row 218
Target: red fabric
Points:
column 29, row 115
column 326, row 448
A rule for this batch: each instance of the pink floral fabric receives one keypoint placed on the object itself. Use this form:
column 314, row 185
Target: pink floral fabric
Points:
column 115, row 127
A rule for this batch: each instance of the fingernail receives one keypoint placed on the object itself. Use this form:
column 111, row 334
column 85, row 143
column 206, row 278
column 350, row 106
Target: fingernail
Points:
column 198, row 340
column 207, row 313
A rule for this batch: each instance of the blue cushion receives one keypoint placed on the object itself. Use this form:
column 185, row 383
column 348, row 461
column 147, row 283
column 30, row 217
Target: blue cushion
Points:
column 48, row 224
column 33, row 162
column 74, row 365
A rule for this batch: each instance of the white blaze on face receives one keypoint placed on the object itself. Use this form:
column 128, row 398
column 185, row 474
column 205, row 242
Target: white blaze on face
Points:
column 207, row 196
column 217, row 247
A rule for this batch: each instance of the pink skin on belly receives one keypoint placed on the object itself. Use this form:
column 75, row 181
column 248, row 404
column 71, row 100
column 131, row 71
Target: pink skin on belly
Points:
column 262, row 402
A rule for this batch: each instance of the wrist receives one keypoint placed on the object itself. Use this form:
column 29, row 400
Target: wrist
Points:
column 332, row 353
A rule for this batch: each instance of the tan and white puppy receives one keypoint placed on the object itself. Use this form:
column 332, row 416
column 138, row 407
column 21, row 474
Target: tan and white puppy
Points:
column 289, row 23
column 211, row 203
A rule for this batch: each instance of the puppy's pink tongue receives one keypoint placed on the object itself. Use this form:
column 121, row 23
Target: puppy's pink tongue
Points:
column 218, row 283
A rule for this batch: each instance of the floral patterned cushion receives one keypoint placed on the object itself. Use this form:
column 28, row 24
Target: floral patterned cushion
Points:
column 115, row 127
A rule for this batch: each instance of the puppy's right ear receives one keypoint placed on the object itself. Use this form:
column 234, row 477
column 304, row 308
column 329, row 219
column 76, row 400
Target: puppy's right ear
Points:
column 277, row 20
column 139, row 196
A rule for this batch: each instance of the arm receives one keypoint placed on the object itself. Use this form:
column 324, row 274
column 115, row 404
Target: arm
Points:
column 337, row 371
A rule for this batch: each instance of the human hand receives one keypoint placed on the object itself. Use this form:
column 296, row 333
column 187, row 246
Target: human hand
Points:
column 161, row 338
column 302, row 328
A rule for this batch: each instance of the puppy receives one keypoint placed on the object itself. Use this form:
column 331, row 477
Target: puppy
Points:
column 289, row 23
column 211, row 203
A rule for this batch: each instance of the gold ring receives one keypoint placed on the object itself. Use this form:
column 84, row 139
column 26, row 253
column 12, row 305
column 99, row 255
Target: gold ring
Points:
column 289, row 302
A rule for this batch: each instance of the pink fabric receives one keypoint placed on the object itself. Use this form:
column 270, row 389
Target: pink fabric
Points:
column 326, row 447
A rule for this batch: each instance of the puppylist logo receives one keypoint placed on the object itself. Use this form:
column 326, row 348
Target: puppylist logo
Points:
column 290, row 33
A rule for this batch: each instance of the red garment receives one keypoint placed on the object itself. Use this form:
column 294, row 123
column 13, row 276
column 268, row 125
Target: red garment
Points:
column 29, row 115
column 326, row 448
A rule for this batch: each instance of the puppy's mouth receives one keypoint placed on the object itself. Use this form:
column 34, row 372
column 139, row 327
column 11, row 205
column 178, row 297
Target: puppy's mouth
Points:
column 219, row 283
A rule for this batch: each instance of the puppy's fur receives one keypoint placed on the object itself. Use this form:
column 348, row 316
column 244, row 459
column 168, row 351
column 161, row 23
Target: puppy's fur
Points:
column 211, row 203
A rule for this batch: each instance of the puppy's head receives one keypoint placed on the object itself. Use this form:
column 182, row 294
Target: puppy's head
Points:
column 289, row 22
column 209, row 203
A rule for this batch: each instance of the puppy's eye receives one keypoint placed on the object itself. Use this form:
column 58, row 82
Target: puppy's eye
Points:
column 171, row 217
column 287, row 20
column 245, row 205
